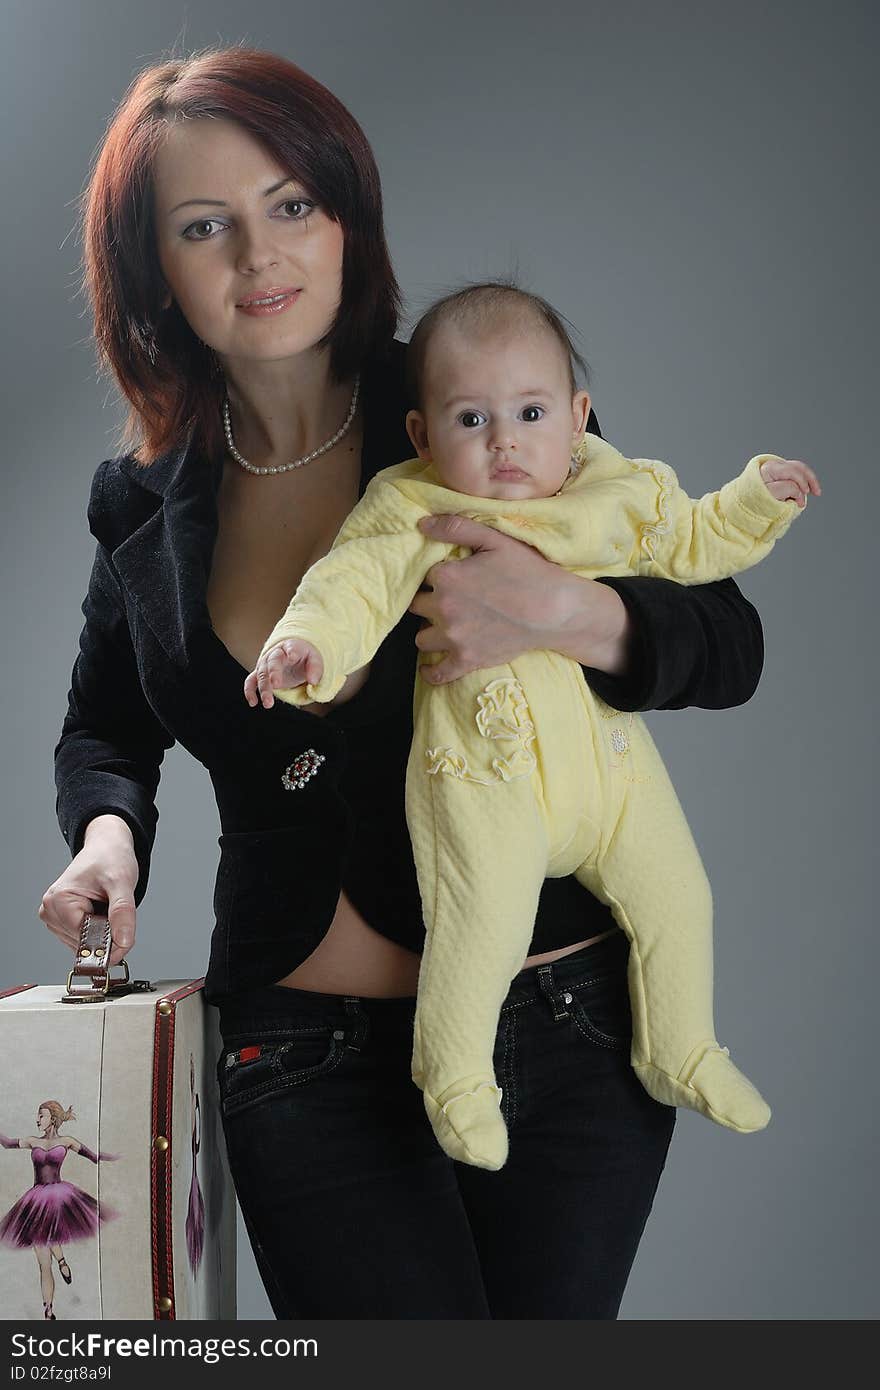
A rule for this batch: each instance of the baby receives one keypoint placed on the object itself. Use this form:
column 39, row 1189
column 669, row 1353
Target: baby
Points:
column 521, row 772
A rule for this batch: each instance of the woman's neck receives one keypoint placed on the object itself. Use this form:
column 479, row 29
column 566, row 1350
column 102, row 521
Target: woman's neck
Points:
column 282, row 410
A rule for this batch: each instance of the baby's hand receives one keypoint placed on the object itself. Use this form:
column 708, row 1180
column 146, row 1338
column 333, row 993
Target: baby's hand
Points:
column 288, row 664
column 789, row 479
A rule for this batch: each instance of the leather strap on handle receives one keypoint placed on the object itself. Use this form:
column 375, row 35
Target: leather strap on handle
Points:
column 92, row 955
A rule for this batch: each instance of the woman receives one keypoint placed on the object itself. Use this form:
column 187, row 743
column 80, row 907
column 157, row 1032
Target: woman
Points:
column 241, row 287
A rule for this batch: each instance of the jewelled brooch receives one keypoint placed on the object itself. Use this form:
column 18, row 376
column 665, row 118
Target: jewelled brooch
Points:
column 301, row 769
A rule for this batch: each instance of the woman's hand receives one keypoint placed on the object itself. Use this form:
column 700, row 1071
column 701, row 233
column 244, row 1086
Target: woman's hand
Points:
column 505, row 599
column 284, row 666
column 105, row 870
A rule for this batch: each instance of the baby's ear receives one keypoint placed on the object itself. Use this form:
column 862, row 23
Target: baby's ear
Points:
column 418, row 433
column 580, row 411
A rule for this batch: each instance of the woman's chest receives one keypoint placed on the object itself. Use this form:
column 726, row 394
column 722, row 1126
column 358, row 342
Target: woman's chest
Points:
column 266, row 540
column 204, row 585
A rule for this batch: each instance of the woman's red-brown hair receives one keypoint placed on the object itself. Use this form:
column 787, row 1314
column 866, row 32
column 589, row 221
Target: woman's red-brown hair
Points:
column 169, row 376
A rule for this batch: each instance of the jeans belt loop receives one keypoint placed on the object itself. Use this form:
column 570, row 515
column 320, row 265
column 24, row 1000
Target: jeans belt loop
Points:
column 551, row 994
column 352, row 1006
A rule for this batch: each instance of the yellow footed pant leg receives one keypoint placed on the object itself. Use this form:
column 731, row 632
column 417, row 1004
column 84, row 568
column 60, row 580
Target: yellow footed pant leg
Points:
column 649, row 872
column 475, row 813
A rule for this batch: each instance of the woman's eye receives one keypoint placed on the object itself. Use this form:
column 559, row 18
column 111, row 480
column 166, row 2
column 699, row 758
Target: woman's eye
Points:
column 295, row 209
column 301, row 208
column 201, row 231
column 471, row 419
column 533, row 413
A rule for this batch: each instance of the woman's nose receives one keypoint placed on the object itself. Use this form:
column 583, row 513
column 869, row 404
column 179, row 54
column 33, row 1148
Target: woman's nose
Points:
column 255, row 254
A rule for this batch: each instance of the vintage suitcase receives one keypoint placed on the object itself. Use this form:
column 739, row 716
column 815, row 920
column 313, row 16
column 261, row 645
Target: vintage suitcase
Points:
column 127, row 1070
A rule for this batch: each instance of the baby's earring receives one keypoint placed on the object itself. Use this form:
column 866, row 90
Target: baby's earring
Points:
column 577, row 452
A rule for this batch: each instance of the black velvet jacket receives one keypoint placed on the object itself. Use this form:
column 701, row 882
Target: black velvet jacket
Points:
column 151, row 671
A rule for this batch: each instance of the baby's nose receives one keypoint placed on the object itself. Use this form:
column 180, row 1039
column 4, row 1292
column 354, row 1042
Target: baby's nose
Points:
column 503, row 437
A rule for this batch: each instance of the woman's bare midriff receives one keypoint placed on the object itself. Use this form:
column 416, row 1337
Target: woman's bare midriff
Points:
column 261, row 535
column 354, row 959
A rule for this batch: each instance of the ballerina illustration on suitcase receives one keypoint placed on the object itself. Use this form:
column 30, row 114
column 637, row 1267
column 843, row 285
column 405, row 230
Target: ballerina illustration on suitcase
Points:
column 52, row 1211
column 195, row 1212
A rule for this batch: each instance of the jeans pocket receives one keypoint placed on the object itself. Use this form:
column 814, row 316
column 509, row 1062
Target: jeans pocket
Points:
column 601, row 1010
column 258, row 1069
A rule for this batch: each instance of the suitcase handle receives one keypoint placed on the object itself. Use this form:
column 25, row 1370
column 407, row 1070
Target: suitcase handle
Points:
column 92, row 955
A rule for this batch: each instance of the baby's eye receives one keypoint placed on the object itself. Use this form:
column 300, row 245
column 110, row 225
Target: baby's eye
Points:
column 532, row 413
column 471, row 419
column 201, row 231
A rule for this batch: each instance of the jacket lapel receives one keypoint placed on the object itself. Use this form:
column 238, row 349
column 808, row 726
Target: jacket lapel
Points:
column 165, row 562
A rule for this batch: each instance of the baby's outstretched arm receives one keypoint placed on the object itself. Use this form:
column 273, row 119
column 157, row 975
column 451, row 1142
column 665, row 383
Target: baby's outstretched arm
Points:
column 725, row 532
column 348, row 601
column 288, row 664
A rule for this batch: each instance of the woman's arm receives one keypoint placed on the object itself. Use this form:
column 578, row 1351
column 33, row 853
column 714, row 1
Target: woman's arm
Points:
column 699, row 644
column 107, row 760
column 658, row 645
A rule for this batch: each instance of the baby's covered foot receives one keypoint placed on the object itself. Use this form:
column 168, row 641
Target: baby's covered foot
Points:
column 724, row 1094
column 710, row 1083
column 466, row 1118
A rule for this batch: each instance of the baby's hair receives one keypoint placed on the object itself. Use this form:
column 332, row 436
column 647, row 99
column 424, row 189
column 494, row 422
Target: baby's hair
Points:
column 477, row 307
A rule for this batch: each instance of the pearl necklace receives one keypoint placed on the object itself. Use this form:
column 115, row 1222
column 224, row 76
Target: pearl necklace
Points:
column 297, row 463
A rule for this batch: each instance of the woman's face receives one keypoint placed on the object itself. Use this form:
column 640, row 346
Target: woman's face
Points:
column 246, row 231
column 44, row 1120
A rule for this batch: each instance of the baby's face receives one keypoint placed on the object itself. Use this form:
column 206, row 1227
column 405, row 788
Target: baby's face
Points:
column 499, row 418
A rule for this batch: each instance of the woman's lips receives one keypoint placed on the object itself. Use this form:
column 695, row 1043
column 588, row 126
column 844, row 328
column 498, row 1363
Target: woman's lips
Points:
column 272, row 302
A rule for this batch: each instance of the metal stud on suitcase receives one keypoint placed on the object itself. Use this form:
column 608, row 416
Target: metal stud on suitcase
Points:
column 115, row 1196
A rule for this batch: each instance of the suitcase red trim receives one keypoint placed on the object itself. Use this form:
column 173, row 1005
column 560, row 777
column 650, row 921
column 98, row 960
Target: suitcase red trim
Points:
column 160, row 1164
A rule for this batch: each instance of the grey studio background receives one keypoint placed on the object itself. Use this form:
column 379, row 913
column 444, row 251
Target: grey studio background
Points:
column 692, row 184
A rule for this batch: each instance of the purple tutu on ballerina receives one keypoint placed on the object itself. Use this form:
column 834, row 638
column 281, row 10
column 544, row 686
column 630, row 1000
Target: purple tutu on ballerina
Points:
column 52, row 1211
column 195, row 1224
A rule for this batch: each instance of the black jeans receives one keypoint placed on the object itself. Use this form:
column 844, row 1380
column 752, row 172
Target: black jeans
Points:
column 354, row 1211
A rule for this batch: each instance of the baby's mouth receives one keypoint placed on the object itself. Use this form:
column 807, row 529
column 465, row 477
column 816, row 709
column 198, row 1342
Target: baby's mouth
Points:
column 508, row 471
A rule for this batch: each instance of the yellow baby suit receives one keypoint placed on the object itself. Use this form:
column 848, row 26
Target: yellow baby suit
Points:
column 520, row 772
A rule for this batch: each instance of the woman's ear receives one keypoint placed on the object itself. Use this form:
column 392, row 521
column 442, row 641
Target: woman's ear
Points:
column 580, row 411
column 418, row 433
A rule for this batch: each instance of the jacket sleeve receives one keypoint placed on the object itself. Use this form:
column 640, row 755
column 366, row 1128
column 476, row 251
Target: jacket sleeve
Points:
column 108, row 757
column 698, row 644
column 715, row 536
column 348, row 601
